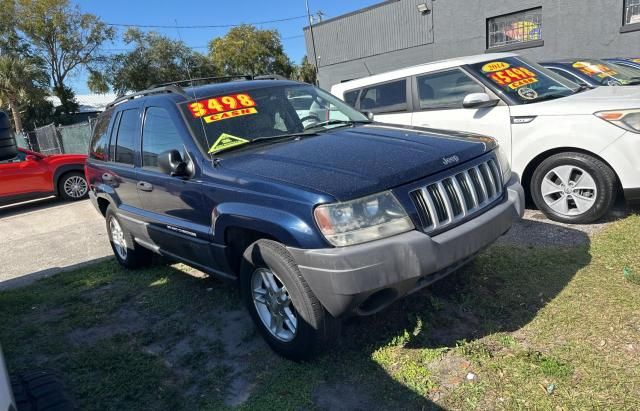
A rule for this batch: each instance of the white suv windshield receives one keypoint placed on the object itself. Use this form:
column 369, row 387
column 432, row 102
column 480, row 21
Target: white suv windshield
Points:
column 522, row 81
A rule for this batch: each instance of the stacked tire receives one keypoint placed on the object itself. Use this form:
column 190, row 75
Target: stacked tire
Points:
column 8, row 148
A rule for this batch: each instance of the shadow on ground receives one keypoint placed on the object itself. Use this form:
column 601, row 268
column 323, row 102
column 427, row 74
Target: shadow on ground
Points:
column 160, row 339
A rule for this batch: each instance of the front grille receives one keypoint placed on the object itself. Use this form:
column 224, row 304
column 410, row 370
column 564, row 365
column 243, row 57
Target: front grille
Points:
column 458, row 196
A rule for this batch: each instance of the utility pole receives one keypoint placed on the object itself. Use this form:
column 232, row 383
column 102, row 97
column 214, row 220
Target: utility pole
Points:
column 313, row 40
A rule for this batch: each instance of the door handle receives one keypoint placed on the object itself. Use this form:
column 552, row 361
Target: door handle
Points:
column 107, row 178
column 144, row 186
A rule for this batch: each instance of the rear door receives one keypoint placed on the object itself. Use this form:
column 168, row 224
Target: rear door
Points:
column 438, row 101
column 178, row 221
column 122, row 174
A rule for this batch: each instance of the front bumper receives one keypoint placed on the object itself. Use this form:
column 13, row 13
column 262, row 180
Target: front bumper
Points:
column 365, row 278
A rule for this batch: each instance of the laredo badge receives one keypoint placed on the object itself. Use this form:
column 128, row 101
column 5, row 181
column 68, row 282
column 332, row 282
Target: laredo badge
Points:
column 226, row 141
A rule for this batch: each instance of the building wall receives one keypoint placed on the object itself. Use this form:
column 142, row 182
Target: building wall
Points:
column 394, row 34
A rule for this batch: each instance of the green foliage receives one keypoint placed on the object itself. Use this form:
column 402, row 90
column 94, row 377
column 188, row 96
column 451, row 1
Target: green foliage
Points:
column 63, row 37
column 248, row 50
column 155, row 59
column 306, row 71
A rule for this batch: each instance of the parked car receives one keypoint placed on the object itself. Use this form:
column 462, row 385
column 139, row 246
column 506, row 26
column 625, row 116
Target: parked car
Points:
column 633, row 63
column 316, row 222
column 31, row 175
column 594, row 73
column 32, row 391
column 571, row 146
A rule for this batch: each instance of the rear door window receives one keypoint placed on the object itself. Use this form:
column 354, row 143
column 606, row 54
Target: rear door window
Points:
column 127, row 137
column 100, row 139
column 385, row 98
column 445, row 90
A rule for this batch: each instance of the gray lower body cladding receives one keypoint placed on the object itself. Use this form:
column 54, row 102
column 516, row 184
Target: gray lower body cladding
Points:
column 365, row 278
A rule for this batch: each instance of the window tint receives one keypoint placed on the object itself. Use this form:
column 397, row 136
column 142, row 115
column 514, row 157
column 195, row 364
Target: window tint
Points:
column 446, row 90
column 514, row 28
column 385, row 98
column 100, row 138
column 127, row 132
column 159, row 134
column 350, row 97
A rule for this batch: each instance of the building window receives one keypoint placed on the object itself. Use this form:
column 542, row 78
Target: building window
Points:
column 631, row 12
column 516, row 28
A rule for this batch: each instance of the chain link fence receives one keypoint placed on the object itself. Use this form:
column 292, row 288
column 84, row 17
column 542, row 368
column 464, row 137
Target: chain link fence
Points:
column 61, row 139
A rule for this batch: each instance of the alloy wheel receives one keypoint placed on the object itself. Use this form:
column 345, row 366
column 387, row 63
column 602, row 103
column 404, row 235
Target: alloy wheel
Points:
column 75, row 187
column 273, row 304
column 569, row 190
column 117, row 237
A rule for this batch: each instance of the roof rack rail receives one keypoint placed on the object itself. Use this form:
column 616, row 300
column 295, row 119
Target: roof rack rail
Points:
column 189, row 82
column 153, row 90
column 270, row 77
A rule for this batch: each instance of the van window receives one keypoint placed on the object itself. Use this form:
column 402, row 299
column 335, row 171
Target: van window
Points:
column 100, row 138
column 445, row 90
column 159, row 134
column 127, row 136
column 351, row 97
column 385, row 98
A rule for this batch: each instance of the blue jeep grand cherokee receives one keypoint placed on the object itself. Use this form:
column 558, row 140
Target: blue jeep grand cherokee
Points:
column 316, row 211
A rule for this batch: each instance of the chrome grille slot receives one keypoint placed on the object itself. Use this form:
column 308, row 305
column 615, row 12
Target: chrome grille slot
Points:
column 453, row 198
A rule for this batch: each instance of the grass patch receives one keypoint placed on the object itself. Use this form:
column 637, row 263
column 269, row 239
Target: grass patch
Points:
column 521, row 328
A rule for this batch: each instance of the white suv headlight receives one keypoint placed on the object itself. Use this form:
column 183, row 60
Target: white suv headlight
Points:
column 365, row 219
column 626, row 119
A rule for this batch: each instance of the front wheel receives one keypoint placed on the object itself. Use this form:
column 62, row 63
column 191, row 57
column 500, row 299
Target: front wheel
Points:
column 285, row 310
column 573, row 188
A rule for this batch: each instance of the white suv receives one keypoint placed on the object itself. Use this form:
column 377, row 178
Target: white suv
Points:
column 572, row 147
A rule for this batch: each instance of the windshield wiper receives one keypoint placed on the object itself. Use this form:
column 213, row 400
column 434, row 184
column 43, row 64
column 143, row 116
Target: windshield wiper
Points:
column 332, row 122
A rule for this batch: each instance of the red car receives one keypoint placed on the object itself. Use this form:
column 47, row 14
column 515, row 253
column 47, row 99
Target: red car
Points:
column 32, row 175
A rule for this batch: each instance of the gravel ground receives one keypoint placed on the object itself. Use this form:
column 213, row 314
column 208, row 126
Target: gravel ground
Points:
column 537, row 230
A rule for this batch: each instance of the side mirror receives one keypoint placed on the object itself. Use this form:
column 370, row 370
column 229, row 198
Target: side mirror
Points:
column 31, row 157
column 171, row 162
column 368, row 114
column 479, row 100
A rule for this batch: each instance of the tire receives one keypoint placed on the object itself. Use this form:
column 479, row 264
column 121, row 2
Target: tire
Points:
column 314, row 329
column 73, row 186
column 129, row 254
column 40, row 391
column 573, row 188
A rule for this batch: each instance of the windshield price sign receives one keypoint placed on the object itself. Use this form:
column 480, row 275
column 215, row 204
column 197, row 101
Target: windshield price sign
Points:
column 514, row 77
column 220, row 108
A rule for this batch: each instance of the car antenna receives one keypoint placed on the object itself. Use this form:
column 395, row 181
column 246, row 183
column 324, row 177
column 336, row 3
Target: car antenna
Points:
column 214, row 160
column 367, row 68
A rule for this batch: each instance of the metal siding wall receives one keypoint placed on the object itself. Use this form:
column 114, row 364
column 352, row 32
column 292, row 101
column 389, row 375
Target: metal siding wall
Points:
column 570, row 28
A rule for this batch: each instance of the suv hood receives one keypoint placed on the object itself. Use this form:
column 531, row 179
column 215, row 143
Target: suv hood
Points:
column 586, row 102
column 352, row 162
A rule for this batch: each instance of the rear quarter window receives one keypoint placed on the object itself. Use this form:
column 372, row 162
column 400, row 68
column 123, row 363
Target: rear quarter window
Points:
column 385, row 98
column 98, row 148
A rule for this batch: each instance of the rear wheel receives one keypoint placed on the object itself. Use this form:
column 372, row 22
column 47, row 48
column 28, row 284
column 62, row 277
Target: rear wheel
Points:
column 73, row 186
column 285, row 310
column 128, row 253
column 573, row 188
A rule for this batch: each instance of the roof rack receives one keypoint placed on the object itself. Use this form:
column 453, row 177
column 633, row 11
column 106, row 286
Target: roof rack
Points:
column 154, row 90
column 190, row 82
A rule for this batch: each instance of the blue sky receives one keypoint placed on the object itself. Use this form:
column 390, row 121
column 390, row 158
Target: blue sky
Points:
column 146, row 12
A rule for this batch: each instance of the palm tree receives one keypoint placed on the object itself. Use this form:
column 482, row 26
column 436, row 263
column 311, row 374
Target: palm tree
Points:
column 21, row 81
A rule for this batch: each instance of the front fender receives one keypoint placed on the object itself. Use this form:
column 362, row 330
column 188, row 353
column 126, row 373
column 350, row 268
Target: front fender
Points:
column 283, row 226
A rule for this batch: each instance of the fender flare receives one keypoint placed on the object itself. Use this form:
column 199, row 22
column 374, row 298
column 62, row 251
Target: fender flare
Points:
column 60, row 171
column 284, row 227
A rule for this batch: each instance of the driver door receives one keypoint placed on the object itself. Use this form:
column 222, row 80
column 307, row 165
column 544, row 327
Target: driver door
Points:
column 21, row 176
column 438, row 104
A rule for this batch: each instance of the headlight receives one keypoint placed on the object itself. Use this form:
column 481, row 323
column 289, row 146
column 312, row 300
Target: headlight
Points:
column 505, row 164
column 365, row 219
column 626, row 119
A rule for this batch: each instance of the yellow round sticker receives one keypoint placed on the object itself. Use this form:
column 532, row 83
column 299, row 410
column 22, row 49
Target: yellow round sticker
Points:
column 495, row 66
column 580, row 64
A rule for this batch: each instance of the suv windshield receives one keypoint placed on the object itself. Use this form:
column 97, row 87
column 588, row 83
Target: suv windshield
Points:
column 607, row 74
column 221, row 122
column 523, row 82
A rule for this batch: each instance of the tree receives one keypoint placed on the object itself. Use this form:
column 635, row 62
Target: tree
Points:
column 22, row 80
column 248, row 50
column 155, row 59
column 63, row 37
column 306, row 71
